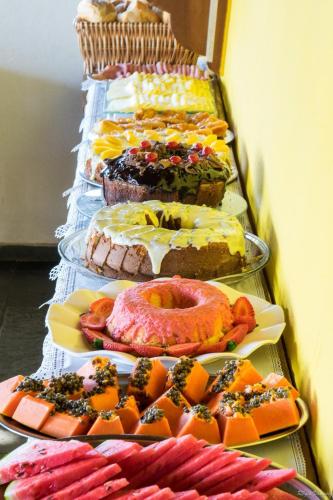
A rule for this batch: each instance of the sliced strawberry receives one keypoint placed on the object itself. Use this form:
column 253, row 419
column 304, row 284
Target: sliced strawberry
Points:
column 183, row 349
column 205, row 348
column 234, row 336
column 250, row 321
column 90, row 320
column 100, row 341
column 147, row 351
column 102, row 307
column 243, row 307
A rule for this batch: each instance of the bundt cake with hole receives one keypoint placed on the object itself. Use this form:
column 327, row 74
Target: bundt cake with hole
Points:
column 142, row 241
column 166, row 172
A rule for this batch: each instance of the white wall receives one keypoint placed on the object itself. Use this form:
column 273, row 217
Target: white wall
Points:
column 40, row 111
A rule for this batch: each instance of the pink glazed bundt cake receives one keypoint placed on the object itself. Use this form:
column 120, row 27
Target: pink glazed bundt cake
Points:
column 169, row 312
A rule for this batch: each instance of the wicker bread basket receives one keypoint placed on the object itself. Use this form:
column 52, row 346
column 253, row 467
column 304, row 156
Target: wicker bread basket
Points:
column 114, row 42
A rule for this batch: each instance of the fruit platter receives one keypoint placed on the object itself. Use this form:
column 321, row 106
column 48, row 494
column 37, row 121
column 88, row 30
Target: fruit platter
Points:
column 237, row 406
column 175, row 468
column 239, row 323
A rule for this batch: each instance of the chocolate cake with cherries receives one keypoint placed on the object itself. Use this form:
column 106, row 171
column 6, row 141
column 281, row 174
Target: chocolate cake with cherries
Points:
column 166, row 172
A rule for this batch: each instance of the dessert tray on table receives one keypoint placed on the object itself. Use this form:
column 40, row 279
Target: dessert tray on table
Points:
column 72, row 250
column 88, row 203
column 63, row 323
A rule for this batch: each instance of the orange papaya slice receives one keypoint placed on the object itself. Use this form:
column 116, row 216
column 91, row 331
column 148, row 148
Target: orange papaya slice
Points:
column 275, row 380
column 107, row 400
column 172, row 402
column 153, row 423
column 234, row 376
column 106, row 423
column 33, row 412
column 237, row 428
column 147, row 380
column 190, row 377
column 9, row 399
column 62, row 425
column 200, row 423
column 128, row 412
column 273, row 410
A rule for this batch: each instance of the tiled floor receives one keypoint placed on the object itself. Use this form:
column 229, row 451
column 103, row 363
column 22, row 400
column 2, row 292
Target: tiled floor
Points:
column 23, row 288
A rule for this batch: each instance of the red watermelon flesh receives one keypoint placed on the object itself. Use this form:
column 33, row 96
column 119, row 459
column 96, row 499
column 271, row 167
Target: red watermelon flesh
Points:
column 221, row 496
column 268, row 479
column 200, row 459
column 86, row 483
column 212, row 485
column 37, row 456
column 104, row 490
column 259, row 495
column 238, row 480
column 187, row 495
column 241, row 495
column 277, row 494
column 185, row 447
column 117, row 450
column 52, row 481
column 213, row 466
column 146, row 457
column 140, row 494
column 165, row 494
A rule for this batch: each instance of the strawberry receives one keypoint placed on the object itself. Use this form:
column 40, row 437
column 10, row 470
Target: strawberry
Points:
column 102, row 307
column 91, row 320
column 100, row 341
column 243, row 307
column 145, row 144
column 147, row 351
column 236, row 335
column 187, row 349
column 250, row 321
column 206, row 349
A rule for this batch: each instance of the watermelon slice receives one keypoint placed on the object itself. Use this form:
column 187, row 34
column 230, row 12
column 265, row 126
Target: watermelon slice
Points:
column 146, row 456
column 199, row 460
column 187, row 495
column 241, row 495
column 52, row 481
column 164, row 494
column 269, row 479
column 212, row 484
column 86, row 484
column 276, row 494
column 207, row 470
column 184, row 448
column 237, row 481
column 104, row 490
column 116, row 450
column 140, row 494
column 37, row 456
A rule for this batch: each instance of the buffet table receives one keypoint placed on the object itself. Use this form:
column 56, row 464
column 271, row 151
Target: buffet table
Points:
column 288, row 451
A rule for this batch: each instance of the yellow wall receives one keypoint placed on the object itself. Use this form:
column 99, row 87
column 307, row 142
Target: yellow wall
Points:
column 278, row 78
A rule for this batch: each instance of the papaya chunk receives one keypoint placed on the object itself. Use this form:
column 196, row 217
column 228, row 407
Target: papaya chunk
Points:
column 62, row 425
column 105, row 401
column 153, row 423
column 190, row 377
column 128, row 412
column 111, row 425
column 147, row 380
column 33, row 412
column 275, row 380
column 89, row 368
column 172, row 402
column 200, row 423
column 9, row 399
column 278, row 413
column 237, row 429
column 234, row 376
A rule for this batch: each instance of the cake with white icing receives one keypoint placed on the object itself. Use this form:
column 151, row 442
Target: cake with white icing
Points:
column 142, row 241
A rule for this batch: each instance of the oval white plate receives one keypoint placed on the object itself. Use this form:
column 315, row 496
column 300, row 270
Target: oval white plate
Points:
column 91, row 201
column 63, row 323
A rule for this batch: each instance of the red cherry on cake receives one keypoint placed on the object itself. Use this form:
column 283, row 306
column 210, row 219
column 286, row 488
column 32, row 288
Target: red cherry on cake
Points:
column 145, row 144
column 151, row 157
column 207, row 151
column 172, row 145
column 175, row 159
column 133, row 151
column 198, row 146
column 193, row 158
